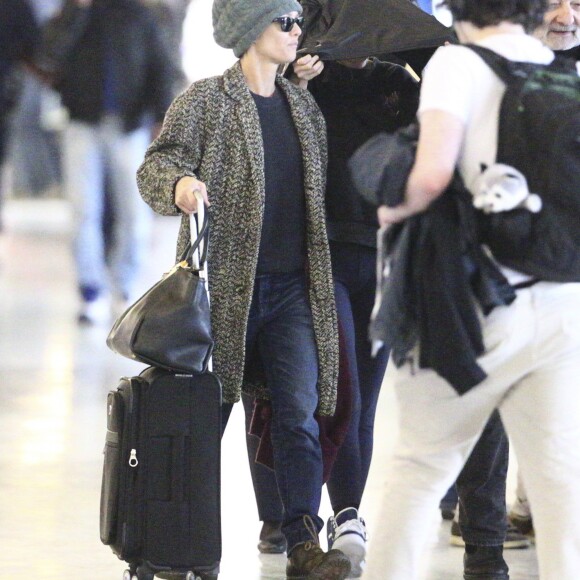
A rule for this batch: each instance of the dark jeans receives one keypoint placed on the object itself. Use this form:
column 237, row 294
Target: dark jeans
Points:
column 481, row 487
column 450, row 499
column 354, row 273
column 280, row 327
column 270, row 507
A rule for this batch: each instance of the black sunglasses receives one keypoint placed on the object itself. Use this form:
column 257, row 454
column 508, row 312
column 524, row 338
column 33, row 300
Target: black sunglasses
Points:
column 287, row 22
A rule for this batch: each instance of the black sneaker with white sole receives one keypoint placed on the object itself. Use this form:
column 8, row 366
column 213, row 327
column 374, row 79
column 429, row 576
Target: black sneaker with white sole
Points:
column 484, row 563
column 347, row 532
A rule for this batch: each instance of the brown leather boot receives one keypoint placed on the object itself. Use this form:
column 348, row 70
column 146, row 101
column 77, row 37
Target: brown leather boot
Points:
column 308, row 561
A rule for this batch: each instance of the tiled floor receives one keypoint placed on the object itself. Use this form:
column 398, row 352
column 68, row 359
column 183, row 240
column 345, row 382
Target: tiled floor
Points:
column 54, row 377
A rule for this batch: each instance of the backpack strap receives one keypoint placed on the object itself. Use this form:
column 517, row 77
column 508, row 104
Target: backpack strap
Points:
column 510, row 70
column 564, row 64
column 495, row 61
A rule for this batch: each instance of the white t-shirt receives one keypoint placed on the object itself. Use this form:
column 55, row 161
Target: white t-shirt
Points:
column 456, row 80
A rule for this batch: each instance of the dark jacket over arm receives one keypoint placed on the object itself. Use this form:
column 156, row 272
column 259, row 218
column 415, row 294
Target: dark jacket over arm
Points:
column 440, row 279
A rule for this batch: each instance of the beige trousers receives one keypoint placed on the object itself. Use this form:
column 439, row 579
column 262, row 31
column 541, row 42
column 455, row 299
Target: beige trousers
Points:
column 533, row 365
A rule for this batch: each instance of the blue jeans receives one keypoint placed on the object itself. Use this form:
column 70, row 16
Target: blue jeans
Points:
column 354, row 273
column 34, row 150
column 280, row 327
column 89, row 152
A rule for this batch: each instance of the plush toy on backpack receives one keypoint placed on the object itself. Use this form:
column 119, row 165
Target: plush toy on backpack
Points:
column 538, row 134
column 500, row 187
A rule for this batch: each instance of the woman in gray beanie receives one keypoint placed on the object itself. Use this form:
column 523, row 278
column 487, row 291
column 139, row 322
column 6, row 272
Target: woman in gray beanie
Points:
column 254, row 145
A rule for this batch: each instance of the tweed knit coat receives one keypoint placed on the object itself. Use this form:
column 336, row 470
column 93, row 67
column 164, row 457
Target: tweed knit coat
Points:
column 212, row 132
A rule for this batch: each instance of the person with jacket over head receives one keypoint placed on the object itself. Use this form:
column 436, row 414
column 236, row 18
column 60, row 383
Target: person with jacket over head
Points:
column 114, row 74
column 358, row 98
column 532, row 346
column 254, row 145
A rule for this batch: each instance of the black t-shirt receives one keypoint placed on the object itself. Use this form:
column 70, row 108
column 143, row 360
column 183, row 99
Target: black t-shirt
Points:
column 283, row 241
column 570, row 53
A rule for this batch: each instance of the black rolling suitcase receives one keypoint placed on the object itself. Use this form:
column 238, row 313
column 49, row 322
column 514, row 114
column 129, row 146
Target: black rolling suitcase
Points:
column 160, row 497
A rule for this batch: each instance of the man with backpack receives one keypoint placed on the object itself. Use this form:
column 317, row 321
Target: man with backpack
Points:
column 561, row 32
column 530, row 360
column 113, row 71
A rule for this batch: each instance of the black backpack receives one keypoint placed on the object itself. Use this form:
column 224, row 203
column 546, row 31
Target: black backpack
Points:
column 539, row 134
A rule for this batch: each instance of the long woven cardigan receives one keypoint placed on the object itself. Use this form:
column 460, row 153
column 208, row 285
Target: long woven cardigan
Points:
column 212, row 131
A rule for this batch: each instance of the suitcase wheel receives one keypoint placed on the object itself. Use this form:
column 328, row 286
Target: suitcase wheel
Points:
column 193, row 576
column 138, row 573
column 144, row 574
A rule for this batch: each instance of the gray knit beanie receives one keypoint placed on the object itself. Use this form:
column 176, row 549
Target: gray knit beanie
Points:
column 238, row 23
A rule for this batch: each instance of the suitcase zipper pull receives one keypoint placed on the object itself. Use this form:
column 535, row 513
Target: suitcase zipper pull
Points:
column 133, row 461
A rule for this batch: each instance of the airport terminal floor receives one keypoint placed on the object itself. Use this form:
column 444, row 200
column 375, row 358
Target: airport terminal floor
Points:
column 54, row 379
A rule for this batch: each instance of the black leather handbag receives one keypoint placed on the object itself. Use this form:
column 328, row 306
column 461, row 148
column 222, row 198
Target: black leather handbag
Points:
column 169, row 326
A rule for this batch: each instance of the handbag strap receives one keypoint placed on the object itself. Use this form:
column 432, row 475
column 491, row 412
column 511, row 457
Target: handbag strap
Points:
column 203, row 232
column 201, row 219
column 196, row 251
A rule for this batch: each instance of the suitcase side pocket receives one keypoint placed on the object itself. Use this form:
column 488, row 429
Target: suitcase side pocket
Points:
column 131, row 506
column 110, row 487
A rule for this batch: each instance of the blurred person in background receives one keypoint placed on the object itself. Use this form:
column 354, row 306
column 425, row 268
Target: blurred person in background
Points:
column 107, row 60
column 561, row 28
column 37, row 122
column 358, row 98
column 170, row 15
column 18, row 38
